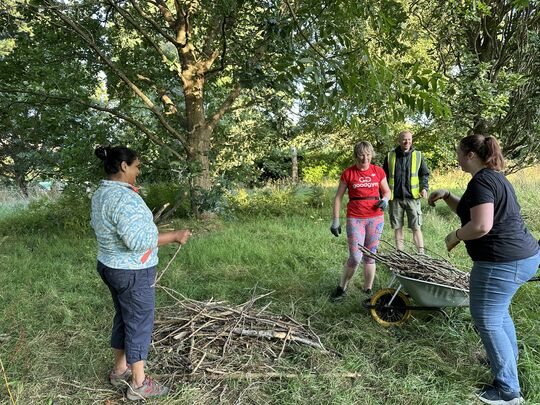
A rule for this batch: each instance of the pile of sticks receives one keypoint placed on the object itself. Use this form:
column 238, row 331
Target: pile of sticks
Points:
column 211, row 339
column 422, row 267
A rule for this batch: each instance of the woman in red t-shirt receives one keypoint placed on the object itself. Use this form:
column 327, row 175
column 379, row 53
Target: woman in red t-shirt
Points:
column 366, row 183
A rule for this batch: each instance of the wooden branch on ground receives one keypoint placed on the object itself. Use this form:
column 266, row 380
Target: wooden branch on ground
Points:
column 211, row 374
column 194, row 338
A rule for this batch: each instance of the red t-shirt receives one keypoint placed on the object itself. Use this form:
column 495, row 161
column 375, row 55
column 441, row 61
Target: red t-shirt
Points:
column 363, row 183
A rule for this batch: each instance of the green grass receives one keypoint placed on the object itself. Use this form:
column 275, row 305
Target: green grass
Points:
column 56, row 315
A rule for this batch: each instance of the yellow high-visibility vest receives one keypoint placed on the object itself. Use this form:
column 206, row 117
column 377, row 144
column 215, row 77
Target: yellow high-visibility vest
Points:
column 416, row 159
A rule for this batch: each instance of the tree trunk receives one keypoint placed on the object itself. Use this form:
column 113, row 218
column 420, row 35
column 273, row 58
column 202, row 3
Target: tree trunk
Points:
column 199, row 163
column 199, row 135
column 22, row 184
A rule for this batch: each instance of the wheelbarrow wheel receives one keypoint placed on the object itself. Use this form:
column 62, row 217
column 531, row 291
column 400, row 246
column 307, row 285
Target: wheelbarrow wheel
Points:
column 394, row 315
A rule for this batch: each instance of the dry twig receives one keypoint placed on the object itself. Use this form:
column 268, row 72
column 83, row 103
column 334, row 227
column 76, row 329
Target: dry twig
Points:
column 211, row 374
column 194, row 338
column 422, row 267
column 158, row 277
column 4, row 374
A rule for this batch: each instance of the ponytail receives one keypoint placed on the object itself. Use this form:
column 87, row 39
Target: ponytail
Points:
column 113, row 157
column 486, row 148
column 494, row 158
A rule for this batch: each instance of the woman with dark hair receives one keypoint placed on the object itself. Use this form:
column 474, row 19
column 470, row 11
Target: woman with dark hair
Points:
column 128, row 243
column 365, row 218
column 504, row 254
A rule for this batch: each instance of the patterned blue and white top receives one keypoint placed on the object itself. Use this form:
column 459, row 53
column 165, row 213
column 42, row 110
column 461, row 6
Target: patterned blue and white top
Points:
column 126, row 234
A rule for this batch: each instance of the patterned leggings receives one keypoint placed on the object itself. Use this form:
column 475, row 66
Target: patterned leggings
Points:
column 366, row 232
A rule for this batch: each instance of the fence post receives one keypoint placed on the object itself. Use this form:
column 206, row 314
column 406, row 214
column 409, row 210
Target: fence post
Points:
column 294, row 155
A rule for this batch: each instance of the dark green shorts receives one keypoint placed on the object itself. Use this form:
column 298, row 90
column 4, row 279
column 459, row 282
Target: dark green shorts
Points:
column 397, row 211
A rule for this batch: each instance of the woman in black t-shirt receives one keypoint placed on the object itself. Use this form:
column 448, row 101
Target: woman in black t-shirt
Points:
column 504, row 253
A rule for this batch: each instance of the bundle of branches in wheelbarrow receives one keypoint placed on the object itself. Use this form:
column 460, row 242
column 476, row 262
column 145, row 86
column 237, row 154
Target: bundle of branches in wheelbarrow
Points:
column 216, row 340
column 422, row 267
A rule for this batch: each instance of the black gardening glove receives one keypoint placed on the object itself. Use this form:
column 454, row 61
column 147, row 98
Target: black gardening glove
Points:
column 335, row 228
column 383, row 204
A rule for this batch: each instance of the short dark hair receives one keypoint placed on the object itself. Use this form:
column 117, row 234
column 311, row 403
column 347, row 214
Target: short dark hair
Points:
column 113, row 156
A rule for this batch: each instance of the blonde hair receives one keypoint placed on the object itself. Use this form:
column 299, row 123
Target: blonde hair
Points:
column 363, row 147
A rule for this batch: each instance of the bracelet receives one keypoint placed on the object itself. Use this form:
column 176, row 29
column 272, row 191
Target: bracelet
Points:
column 447, row 195
column 457, row 237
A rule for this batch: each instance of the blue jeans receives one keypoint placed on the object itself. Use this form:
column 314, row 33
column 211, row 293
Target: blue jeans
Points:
column 492, row 287
column 134, row 299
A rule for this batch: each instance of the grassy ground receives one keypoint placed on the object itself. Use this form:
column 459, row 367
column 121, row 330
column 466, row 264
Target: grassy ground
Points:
column 56, row 316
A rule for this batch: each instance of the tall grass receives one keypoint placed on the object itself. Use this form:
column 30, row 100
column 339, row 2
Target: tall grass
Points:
column 12, row 195
column 56, row 313
column 12, row 200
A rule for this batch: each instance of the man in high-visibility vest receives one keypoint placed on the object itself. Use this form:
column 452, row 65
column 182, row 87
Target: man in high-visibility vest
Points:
column 407, row 175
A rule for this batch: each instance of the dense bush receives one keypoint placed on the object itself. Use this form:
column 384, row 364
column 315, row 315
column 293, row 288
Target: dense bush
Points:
column 330, row 163
column 314, row 174
column 156, row 195
column 276, row 200
column 276, row 166
column 313, row 166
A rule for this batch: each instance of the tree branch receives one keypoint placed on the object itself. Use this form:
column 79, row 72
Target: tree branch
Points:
column 79, row 30
column 165, row 98
column 233, row 95
column 68, row 99
column 215, row 54
column 165, row 35
column 302, row 32
column 213, row 30
column 166, row 13
column 127, row 16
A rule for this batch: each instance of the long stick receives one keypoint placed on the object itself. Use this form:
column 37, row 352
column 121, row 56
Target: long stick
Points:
column 270, row 334
column 7, row 383
column 166, row 267
column 219, row 375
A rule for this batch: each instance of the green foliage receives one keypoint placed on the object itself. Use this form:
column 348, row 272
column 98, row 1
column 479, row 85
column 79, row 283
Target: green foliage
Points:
column 156, row 195
column 314, row 174
column 276, row 166
column 340, row 73
column 317, row 197
column 275, row 199
column 270, row 200
column 487, row 93
column 319, row 79
column 325, row 164
column 70, row 210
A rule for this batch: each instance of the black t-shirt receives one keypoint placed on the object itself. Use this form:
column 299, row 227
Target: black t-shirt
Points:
column 509, row 239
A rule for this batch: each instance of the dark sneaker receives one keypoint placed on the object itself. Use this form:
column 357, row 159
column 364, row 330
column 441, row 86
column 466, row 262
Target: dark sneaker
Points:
column 496, row 396
column 120, row 380
column 367, row 291
column 338, row 294
column 149, row 389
